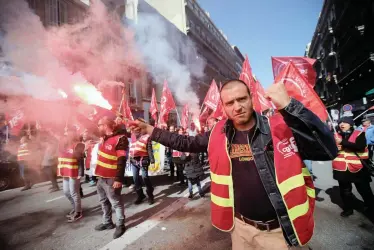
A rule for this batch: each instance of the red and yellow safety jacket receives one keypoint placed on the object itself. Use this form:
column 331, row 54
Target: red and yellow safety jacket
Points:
column 23, row 152
column 347, row 159
column 139, row 146
column 67, row 163
column 296, row 188
column 106, row 165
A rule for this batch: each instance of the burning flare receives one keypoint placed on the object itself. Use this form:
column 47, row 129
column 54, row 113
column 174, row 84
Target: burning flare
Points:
column 91, row 95
column 197, row 123
column 62, row 93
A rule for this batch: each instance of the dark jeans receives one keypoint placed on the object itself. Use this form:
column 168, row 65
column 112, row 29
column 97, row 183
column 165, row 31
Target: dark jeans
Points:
column 142, row 164
column 25, row 173
column 180, row 168
column 50, row 172
column 198, row 184
column 171, row 163
column 347, row 196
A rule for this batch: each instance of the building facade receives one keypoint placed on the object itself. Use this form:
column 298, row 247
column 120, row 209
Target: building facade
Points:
column 343, row 44
column 223, row 61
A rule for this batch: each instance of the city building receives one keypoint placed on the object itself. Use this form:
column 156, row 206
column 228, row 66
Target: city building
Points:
column 343, row 44
column 223, row 61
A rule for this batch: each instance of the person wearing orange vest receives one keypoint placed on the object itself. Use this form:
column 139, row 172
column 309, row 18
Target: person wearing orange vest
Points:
column 23, row 158
column 141, row 156
column 71, row 168
column 246, row 198
column 110, row 167
column 348, row 169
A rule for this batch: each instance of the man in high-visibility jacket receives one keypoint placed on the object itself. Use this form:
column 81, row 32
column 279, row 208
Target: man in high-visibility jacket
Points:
column 23, row 158
column 246, row 198
column 110, row 167
column 141, row 157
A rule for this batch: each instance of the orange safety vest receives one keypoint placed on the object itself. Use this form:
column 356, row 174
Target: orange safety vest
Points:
column 297, row 190
column 23, row 152
column 67, row 164
column 106, row 165
column 177, row 154
column 347, row 159
column 139, row 147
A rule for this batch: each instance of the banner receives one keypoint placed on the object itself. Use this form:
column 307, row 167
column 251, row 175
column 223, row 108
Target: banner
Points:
column 159, row 166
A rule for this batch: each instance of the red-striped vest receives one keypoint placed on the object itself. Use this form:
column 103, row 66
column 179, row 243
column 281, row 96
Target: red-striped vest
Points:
column 139, row 147
column 177, row 154
column 348, row 160
column 23, row 152
column 106, row 166
column 67, row 164
column 296, row 188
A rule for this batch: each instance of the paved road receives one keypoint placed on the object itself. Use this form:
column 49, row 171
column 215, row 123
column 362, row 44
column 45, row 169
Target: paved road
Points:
column 35, row 220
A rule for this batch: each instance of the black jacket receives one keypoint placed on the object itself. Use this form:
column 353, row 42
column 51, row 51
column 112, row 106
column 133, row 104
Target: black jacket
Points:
column 313, row 138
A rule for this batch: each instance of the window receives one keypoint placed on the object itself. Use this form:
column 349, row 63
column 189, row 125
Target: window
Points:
column 198, row 29
column 32, row 4
column 56, row 12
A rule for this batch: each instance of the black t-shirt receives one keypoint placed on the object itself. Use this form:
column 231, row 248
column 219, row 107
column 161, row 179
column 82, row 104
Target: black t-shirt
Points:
column 250, row 197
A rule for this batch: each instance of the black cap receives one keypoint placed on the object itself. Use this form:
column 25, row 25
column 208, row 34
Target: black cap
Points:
column 346, row 119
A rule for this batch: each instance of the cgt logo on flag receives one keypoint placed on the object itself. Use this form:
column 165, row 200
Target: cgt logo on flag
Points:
column 287, row 147
column 108, row 147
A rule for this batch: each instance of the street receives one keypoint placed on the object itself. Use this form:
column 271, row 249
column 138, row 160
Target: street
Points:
column 35, row 219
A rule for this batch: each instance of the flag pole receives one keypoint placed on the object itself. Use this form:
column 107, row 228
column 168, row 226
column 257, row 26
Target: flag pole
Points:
column 361, row 114
column 179, row 119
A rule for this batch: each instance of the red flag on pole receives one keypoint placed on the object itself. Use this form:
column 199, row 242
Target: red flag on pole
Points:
column 204, row 115
column 260, row 103
column 246, row 75
column 219, row 113
column 167, row 104
column 212, row 97
column 16, row 121
column 298, row 88
column 126, row 110
column 303, row 64
column 185, row 115
column 153, row 108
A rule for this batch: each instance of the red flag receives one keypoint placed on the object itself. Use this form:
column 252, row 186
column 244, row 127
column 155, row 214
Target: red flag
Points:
column 17, row 120
column 153, row 109
column 220, row 113
column 260, row 103
column 298, row 88
column 212, row 97
column 127, row 111
column 246, row 75
column 371, row 108
column 204, row 114
column 185, row 115
column 303, row 64
column 167, row 104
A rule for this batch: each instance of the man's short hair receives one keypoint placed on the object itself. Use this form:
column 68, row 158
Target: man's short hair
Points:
column 366, row 120
column 234, row 80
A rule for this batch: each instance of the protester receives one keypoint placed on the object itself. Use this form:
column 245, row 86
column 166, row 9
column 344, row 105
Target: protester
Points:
column 110, row 169
column 169, row 155
column 50, row 161
column 348, row 168
column 71, row 169
column 194, row 171
column 244, row 189
column 369, row 134
column 178, row 160
column 365, row 123
column 23, row 158
column 141, row 156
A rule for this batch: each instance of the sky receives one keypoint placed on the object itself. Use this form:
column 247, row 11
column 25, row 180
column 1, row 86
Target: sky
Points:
column 265, row 28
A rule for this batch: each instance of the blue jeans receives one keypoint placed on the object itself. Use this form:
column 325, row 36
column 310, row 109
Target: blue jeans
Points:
column 143, row 164
column 198, row 184
column 308, row 164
